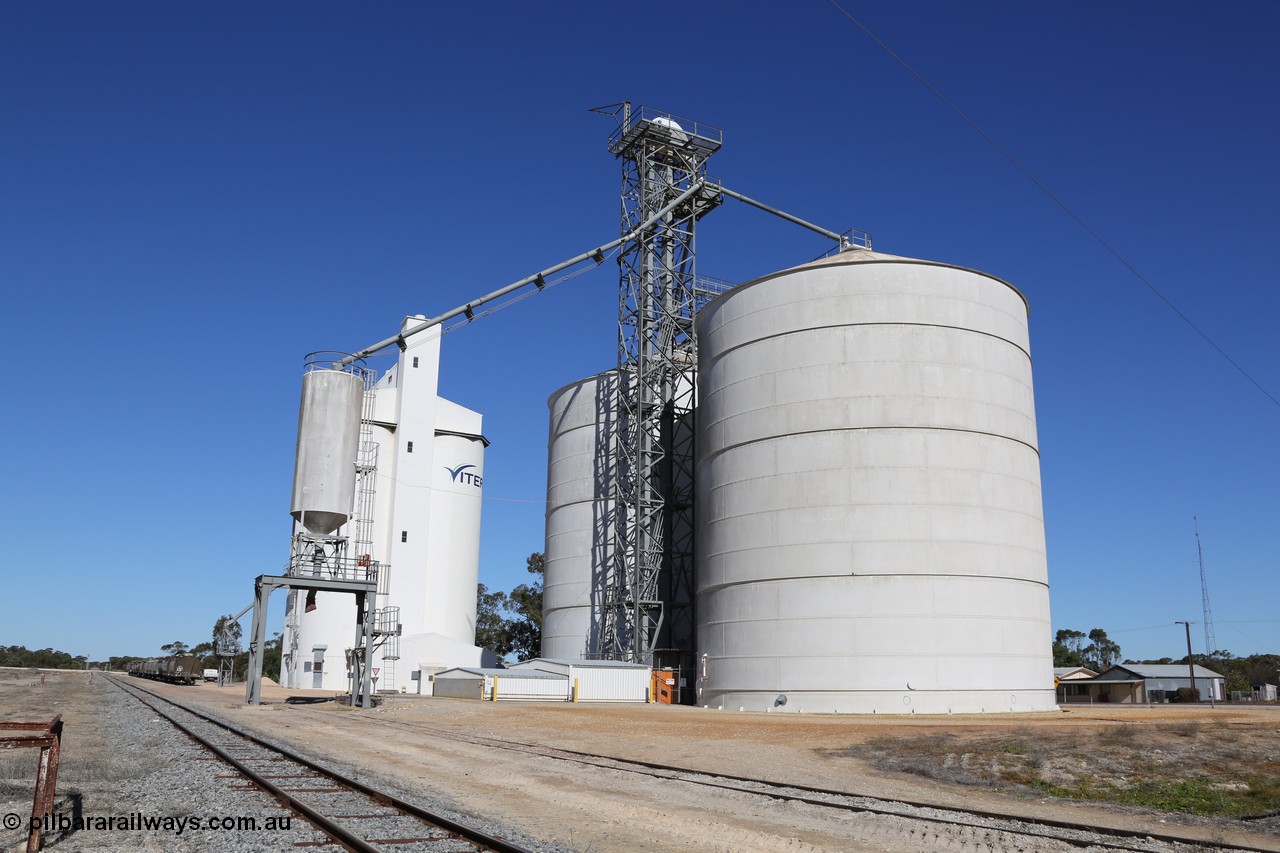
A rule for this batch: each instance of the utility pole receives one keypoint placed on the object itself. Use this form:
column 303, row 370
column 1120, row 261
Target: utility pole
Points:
column 1191, row 664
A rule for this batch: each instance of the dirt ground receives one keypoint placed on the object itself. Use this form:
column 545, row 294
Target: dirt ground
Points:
column 964, row 761
column 1223, row 746
column 92, row 771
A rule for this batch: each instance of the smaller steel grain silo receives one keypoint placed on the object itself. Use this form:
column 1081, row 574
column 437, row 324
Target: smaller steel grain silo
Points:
column 580, row 515
column 324, row 474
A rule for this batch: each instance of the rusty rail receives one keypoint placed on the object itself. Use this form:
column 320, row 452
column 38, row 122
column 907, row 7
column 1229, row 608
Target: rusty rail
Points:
column 47, row 738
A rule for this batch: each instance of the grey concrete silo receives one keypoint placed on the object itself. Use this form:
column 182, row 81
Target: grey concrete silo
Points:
column 870, row 527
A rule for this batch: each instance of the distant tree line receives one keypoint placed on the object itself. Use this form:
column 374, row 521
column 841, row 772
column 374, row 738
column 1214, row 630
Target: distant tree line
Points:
column 226, row 630
column 509, row 624
column 41, row 658
column 21, row 656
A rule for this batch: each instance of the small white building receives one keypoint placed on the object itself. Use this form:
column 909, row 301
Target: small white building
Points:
column 425, row 532
column 548, row 679
column 489, row 684
column 1162, row 681
column 597, row 680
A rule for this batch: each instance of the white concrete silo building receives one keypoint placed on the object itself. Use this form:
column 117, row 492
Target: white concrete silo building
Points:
column 426, row 531
column 870, row 526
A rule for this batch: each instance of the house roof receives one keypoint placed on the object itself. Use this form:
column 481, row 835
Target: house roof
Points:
column 1070, row 672
column 505, row 673
column 1166, row 670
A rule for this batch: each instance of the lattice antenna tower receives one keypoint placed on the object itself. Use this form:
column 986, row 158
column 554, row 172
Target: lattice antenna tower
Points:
column 648, row 601
column 1210, row 644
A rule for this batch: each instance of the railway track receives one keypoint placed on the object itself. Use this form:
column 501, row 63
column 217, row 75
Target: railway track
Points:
column 996, row 830
column 347, row 812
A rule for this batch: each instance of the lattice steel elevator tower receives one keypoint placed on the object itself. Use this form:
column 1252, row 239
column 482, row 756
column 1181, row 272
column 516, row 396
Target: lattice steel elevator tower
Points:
column 648, row 601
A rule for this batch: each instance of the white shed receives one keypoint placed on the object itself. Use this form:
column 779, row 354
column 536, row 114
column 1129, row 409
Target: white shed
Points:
column 489, row 684
column 596, row 680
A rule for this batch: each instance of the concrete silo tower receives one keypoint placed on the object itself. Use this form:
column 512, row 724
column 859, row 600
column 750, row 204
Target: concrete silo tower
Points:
column 421, row 526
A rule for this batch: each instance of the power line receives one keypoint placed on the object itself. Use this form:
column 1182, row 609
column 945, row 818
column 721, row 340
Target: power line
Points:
column 1161, row 626
column 1257, row 644
column 1056, row 200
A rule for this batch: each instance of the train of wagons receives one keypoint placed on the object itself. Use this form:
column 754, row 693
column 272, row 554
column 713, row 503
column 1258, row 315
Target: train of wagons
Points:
column 176, row 669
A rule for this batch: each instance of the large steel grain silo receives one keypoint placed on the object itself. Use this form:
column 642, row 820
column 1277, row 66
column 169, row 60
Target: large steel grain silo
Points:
column 580, row 519
column 870, row 530
column 324, row 474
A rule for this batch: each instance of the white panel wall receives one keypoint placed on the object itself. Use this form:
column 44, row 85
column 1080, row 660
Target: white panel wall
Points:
column 597, row 681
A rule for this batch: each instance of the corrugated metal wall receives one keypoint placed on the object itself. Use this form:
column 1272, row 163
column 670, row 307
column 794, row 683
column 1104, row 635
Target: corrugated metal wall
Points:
column 598, row 682
column 507, row 684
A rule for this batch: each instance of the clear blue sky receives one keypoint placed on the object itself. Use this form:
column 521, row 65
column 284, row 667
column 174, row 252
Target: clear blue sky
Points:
column 193, row 196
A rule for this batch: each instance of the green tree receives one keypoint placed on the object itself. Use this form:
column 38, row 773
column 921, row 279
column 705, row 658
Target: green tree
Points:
column 1068, row 648
column 226, row 636
column 511, row 623
column 1242, row 674
column 1102, row 651
column 525, row 604
column 204, row 651
column 177, row 647
column 43, row 658
column 1260, row 669
column 490, row 626
column 271, row 653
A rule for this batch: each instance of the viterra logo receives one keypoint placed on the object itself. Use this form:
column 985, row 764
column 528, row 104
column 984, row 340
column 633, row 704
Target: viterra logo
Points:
column 462, row 475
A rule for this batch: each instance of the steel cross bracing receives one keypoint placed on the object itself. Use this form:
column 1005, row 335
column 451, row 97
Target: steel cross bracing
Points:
column 1210, row 642
column 648, row 601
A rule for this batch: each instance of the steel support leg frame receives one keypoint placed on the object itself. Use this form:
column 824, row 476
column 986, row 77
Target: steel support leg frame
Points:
column 364, row 592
